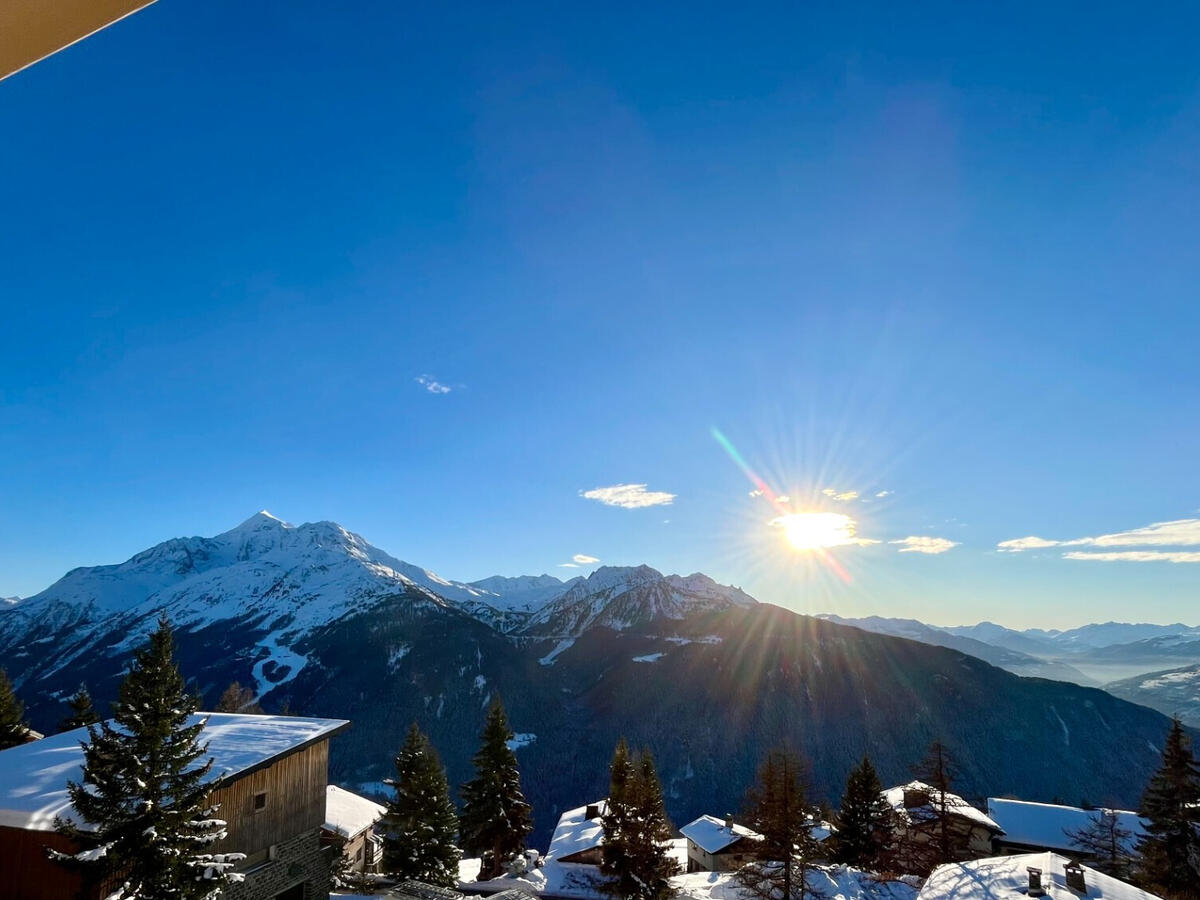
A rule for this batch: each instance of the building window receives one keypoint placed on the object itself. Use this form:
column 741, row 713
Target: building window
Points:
column 358, row 855
column 260, row 801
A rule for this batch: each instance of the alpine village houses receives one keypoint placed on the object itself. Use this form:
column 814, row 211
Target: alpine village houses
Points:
column 270, row 776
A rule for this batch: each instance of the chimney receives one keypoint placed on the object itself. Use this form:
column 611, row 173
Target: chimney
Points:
column 592, row 811
column 915, row 797
column 729, row 821
column 1075, row 880
column 1035, row 882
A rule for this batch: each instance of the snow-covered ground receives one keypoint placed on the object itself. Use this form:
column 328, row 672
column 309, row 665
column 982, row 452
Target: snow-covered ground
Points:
column 580, row 882
column 832, row 883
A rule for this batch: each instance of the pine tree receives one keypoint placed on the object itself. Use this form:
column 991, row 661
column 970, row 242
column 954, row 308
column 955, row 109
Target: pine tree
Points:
column 82, row 711
column 636, row 831
column 1170, row 848
column 238, row 699
column 864, row 821
column 778, row 809
column 421, row 823
column 143, row 808
column 495, row 817
column 13, row 729
column 1106, row 841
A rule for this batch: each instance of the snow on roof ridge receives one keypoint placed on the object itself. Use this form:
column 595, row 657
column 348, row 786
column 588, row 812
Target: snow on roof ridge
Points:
column 348, row 813
column 713, row 835
column 34, row 776
column 998, row 877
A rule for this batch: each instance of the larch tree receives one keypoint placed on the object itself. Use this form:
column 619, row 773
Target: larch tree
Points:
column 864, row 821
column 143, row 809
column 1106, row 841
column 777, row 808
column 238, row 699
column 929, row 838
column 495, row 816
column 420, row 824
column 13, row 729
column 1170, row 847
column 637, row 834
column 82, row 711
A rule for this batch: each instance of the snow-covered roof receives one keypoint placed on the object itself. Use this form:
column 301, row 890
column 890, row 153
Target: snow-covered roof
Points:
column 575, row 832
column 34, row 776
column 1046, row 824
column 712, row 835
column 348, row 813
column 955, row 805
column 1007, row 878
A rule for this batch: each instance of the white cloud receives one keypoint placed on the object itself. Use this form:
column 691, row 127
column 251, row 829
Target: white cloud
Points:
column 783, row 498
column 840, row 495
column 922, row 544
column 1177, row 533
column 1026, row 543
column 755, row 493
column 882, row 494
column 583, row 559
column 1172, row 556
column 567, row 566
column 433, row 386
column 628, row 496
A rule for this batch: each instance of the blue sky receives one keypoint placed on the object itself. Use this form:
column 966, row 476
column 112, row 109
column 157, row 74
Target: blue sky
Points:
column 949, row 254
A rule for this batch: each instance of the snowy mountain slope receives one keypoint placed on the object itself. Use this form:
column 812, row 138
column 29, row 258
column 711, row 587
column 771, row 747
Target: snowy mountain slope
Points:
column 619, row 597
column 524, row 593
column 1109, row 633
column 275, row 581
column 1172, row 692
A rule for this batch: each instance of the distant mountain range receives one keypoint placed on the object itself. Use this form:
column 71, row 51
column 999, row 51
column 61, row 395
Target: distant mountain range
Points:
column 317, row 620
column 1091, row 654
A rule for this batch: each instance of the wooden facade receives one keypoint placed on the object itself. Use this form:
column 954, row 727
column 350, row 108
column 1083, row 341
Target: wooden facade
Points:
column 294, row 786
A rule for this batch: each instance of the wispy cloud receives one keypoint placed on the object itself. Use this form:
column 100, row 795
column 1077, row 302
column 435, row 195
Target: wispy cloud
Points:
column 1172, row 556
column 840, row 495
column 1176, row 533
column 432, row 385
column 628, row 496
column 568, row 566
column 922, row 544
column 882, row 494
column 755, row 493
column 1026, row 543
column 583, row 559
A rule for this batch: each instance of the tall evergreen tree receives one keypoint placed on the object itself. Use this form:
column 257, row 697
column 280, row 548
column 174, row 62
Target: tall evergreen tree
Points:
column 777, row 807
column 635, row 853
column 144, row 815
column 13, row 729
column 864, row 820
column 495, row 816
column 1170, row 848
column 82, row 711
column 1106, row 841
column 421, row 823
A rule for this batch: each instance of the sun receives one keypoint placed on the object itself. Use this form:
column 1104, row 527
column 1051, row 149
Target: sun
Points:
column 817, row 530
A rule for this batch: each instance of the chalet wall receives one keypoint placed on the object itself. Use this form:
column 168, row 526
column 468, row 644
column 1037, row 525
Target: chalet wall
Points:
column 26, row 872
column 295, row 789
column 301, row 860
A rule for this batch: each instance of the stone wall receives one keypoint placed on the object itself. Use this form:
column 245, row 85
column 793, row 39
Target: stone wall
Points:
column 298, row 861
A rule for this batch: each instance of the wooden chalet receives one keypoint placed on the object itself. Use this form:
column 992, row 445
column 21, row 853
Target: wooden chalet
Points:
column 269, row 775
